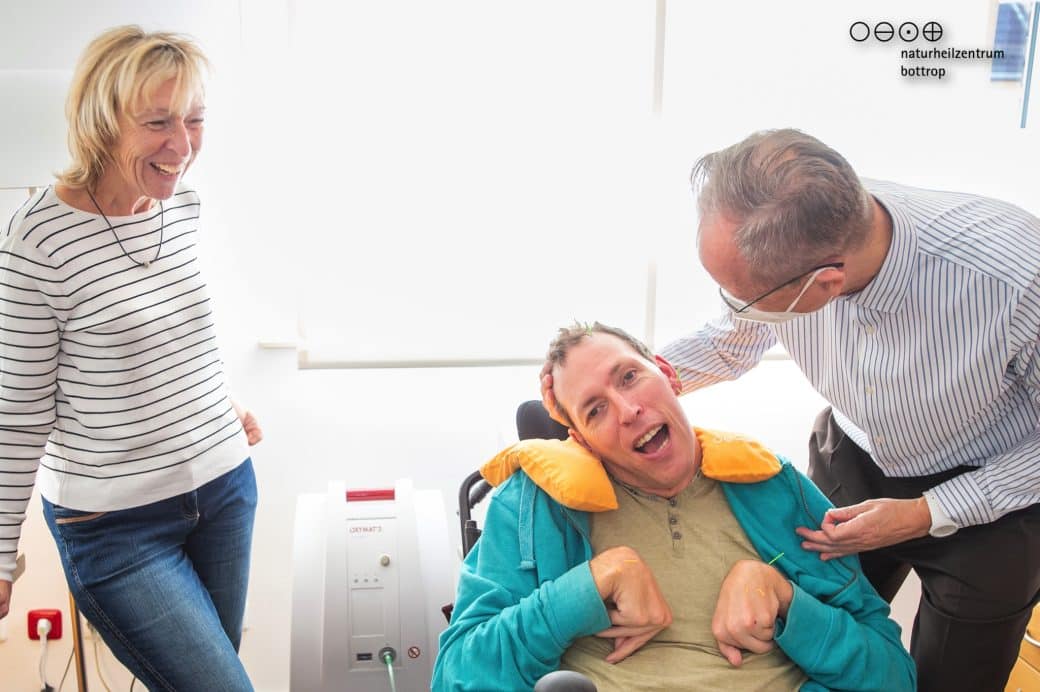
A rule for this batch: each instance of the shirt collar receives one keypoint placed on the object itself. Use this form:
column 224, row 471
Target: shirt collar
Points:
column 887, row 290
column 632, row 490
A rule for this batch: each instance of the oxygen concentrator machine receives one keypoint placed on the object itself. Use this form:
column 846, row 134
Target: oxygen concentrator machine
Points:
column 371, row 570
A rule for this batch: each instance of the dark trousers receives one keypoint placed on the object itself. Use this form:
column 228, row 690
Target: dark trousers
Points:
column 978, row 586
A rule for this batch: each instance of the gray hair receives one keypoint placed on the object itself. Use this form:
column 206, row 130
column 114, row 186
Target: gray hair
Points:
column 796, row 201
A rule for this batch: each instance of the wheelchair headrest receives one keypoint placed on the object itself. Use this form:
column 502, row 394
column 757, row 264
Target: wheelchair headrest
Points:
column 533, row 423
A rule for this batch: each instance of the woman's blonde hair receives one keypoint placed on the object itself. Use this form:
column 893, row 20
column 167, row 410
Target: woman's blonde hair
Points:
column 117, row 70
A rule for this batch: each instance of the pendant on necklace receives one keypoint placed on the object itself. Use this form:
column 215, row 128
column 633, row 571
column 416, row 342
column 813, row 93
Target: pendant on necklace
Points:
column 146, row 263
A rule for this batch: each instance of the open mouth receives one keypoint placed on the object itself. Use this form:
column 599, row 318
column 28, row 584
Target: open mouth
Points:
column 653, row 441
column 166, row 170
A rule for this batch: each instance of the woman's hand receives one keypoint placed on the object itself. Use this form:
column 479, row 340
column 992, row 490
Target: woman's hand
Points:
column 5, row 597
column 249, row 424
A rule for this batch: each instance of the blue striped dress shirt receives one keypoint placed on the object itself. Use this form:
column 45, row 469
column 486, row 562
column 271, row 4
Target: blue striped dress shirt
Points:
column 931, row 366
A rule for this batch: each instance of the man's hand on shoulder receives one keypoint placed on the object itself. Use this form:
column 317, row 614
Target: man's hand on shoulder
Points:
column 867, row 526
column 634, row 601
column 752, row 597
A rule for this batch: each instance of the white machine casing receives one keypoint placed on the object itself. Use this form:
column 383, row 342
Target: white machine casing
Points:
column 371, row 569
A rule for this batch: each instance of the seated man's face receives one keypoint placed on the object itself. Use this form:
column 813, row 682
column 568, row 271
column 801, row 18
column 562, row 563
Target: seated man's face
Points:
column 624, row 409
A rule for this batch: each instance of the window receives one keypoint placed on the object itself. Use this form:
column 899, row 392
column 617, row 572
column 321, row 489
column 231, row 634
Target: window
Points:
column 1012, row 34
column 472, row 176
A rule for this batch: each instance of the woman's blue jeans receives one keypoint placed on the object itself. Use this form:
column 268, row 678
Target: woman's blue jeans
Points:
column 165, row 583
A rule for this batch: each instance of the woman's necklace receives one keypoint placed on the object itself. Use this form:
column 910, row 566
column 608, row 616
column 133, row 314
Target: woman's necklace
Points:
column 162, row 227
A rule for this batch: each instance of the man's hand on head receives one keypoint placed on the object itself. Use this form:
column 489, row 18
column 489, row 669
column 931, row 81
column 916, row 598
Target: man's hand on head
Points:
column 867, row 526
column 635, row 604
column 752, row 597
column 548, row 398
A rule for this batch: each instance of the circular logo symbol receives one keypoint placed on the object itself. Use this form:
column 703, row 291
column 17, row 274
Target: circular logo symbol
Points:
column 883, row 31
column 932, row 31
column 413, row 652
column 859, row 31
column 908, row 31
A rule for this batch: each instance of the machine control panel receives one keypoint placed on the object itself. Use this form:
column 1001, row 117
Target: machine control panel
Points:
column 372, row 582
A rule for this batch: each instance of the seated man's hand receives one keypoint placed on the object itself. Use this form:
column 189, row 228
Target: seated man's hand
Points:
column 636, row 607
column 752, row 597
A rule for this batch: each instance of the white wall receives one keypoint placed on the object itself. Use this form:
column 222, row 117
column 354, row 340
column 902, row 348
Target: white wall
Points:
column 730, row 68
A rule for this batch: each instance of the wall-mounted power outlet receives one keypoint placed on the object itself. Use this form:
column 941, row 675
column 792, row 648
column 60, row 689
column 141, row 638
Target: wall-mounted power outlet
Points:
column 50, row 614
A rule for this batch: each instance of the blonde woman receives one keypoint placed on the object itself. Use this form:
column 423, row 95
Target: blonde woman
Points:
column 112, row 396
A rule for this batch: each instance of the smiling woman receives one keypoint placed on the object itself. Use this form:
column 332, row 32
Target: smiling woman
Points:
column 135, row 124
column 158, row 143
column 113, row 395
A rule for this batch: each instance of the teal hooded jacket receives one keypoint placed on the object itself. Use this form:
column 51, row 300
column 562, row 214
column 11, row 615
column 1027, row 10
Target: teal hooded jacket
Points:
column 526, row 593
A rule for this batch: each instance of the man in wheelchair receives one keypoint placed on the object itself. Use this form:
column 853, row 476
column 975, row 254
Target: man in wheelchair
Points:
column 695, row 581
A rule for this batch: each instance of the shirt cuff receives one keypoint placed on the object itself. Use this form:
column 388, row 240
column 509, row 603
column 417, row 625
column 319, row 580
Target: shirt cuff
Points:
column 808, row 623
column 964, row 501
column 575, row 607
column 942, row 524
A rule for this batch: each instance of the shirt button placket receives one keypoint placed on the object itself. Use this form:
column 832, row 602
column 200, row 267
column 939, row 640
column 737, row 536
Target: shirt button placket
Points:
column 673, row 522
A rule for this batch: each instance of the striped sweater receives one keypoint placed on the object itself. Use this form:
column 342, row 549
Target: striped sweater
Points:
column 112, row 392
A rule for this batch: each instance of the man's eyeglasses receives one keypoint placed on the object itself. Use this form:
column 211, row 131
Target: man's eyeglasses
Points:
column 737, row 308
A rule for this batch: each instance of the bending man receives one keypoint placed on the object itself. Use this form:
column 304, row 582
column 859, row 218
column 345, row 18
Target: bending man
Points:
column 916, row 314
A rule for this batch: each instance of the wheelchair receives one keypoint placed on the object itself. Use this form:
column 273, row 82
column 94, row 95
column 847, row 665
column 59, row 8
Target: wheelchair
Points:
column 532, row 422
